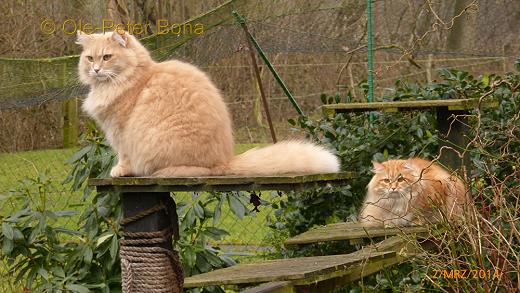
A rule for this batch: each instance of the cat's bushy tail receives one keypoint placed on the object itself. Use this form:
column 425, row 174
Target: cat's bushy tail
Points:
column 285, row 157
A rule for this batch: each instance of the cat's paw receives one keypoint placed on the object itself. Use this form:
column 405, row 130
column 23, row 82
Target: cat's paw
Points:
column 119, row 171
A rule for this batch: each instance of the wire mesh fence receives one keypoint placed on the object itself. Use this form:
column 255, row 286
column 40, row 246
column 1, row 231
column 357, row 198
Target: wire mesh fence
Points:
column 318, row 47
column 305, row 40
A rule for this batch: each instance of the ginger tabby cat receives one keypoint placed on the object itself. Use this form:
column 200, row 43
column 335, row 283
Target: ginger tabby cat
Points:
column 413, row 191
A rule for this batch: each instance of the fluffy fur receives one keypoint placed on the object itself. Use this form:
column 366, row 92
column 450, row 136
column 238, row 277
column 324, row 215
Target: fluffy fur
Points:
column 169, row 119
column 413, row 191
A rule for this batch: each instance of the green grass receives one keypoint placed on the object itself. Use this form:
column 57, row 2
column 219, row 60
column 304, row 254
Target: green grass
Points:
column 250, row 230
column 245, row 234
column 17, row 166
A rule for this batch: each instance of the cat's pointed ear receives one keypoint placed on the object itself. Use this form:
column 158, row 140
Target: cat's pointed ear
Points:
column 411, row 167
column 413, row 164
column 417, row 167
column 82, row 38
column 377, row 167
column 121, row 37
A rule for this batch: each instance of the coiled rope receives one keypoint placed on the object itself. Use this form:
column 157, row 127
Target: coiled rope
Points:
column 148, row 267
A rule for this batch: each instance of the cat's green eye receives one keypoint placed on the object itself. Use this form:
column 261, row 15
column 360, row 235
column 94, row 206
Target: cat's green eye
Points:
column 107, row 57
column 90, row 58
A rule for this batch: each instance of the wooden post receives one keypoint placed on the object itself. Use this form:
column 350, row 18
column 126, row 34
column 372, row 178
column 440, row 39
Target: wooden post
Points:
column 453, row 130
column 133, row 203
column 70, row 122
column 146, row 248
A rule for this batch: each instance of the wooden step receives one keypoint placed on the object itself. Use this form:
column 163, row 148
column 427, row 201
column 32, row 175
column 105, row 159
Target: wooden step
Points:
column 328, row 278
column 349, row 231
column 303, row 270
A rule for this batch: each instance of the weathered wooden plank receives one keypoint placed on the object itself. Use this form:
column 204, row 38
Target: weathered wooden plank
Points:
column 455, row 104
column 272, row 287
column 403, row 247
column 219, row 183
column 218, row 180
column 349, row 231
column 302, row 269
column 329, row 283
column 332, row 281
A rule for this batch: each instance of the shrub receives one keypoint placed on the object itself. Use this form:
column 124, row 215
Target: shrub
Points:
column 49, row 257
column 489, row 242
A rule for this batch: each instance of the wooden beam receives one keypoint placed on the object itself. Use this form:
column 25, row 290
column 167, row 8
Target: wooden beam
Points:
column 349, row 231
column 312, row 274
column 272, row 287
column 332, row 284
column 220, row 183
column 403, row 247
column 454, row 104
column 302, row 269
column 70, row 122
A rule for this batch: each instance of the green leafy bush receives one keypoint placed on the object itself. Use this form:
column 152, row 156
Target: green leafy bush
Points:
column 357, row 140
column 198, row 215
column 494, row 148
column 47, row 257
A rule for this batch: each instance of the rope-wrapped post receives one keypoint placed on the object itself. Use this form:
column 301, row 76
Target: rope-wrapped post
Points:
column 148, row 262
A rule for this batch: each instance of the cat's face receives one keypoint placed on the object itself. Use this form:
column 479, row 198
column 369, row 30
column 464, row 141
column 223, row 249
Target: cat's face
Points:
column 393, row 179
column 106, row 57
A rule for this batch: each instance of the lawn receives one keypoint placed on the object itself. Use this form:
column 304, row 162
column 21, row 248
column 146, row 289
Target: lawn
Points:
column 246, row 238
column 250, row 231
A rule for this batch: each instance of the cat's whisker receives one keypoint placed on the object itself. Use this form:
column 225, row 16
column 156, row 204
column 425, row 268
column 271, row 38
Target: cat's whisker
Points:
column 114, row 78
column 110, row 75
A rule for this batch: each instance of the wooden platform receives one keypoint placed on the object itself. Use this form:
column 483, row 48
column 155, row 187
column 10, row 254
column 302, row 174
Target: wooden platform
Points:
column 452, row 105
column 220, row 183
column 303, row 270
column 312, row 274
column 349, row 231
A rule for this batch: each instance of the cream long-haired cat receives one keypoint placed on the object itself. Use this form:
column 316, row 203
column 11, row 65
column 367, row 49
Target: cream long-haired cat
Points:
column 413, row 191
column 169, row 119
